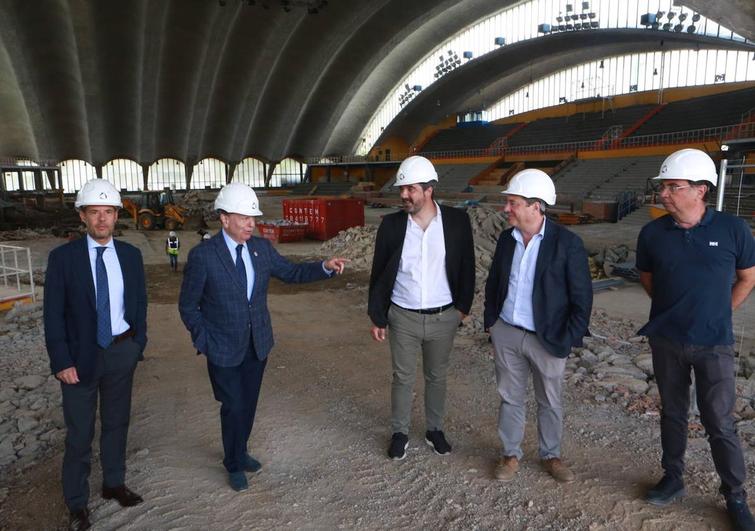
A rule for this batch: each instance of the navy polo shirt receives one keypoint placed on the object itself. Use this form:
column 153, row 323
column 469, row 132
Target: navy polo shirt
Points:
column 693, row 273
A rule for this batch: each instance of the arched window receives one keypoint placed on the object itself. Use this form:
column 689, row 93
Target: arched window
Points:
column 74, row 173
column 167, row 173
column 288, row 172
column 125, row 174
column 208, row 173
column 250, row 171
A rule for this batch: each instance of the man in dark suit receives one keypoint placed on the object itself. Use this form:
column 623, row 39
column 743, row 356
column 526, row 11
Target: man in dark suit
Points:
column 95, row 315
column 421, row 287
column 538, row 299
column 223, row 304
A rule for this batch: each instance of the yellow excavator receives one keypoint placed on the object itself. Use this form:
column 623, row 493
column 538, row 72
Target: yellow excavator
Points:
column 157, row 210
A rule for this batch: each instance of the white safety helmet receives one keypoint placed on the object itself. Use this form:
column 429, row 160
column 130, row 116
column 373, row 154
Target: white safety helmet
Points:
column 98, row 192
column 206, row 236
column 532, row 184
column 689, row 165
column 415, row 170
column 238, row 198
column 172, row 234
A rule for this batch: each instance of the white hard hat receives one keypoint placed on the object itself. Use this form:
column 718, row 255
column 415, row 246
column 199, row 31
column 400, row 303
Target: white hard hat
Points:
column 532, row 184
column 206, row 236
column 415, row 170
column 689, row 165
column 172, row 234
column 238, row 198
column 98, row 192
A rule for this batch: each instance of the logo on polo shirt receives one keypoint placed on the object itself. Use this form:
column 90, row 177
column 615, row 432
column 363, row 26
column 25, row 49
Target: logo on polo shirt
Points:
column 713, row 244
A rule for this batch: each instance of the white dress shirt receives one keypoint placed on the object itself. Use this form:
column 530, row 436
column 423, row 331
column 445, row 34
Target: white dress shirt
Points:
column 118, row 322
column 421, row 281
column 231, row 244
column 517, row 308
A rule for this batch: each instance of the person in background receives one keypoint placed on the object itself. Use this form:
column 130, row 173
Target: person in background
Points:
column 172, row 245
column 697, row 265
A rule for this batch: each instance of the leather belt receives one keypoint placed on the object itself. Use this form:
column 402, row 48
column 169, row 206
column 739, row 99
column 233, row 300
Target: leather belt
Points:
column 428, row 311
column 521, row 328
column 124, row 336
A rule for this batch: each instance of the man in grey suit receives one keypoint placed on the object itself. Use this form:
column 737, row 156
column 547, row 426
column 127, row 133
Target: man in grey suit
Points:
column 223, row 304
column 538, row 299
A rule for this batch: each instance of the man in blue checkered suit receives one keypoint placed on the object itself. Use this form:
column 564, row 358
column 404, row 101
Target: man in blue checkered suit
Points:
column 223, row 304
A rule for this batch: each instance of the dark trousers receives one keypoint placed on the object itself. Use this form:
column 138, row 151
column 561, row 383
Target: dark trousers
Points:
column 714, row 378
column 112, row 382
column 173, row 261
column 237, row 389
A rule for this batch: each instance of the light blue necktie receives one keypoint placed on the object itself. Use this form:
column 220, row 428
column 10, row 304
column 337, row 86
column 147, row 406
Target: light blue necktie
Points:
column 240, row 267
column 104, row 329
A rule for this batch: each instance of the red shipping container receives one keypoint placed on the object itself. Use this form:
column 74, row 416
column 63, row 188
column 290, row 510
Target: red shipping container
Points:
column 325, row 217
column 282, row 233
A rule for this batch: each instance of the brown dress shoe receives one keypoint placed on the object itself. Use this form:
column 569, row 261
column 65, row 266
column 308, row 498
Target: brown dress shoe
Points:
column 122, row 495
column 556, row 468
column 506, row 468
column 79, row 520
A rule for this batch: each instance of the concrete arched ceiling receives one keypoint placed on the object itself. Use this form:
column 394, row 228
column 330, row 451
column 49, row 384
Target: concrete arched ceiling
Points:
column 146, row 79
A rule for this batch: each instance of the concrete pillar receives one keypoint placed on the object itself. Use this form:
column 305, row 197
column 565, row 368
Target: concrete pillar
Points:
column 189, row 165
column 269, row 173
column 145, row 176
column 230, row 167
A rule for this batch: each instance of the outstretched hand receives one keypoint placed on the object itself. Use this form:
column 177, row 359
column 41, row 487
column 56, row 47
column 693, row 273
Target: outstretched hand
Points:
column 336, row 264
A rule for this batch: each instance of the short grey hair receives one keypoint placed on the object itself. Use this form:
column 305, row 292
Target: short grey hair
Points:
column 533, row 200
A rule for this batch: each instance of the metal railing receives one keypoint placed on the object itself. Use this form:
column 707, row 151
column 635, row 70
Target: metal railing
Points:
column 11, row 273
column 626, row 203
column 719, row 133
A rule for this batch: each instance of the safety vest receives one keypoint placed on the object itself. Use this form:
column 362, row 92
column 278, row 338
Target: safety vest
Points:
column 173, row 246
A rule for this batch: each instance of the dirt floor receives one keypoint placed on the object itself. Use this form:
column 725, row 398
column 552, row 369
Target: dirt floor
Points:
column 322, row 432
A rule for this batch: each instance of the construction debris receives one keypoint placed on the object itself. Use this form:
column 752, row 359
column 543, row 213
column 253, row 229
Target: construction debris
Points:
column 24, row 234
column 356, row 243
column 197, row 207
column 31, row 423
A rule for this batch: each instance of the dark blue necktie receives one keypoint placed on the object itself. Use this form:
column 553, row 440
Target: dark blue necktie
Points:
column 104, row 330
column 240, row 266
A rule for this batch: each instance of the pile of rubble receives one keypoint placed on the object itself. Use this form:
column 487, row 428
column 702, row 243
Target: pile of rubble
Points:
column 31, row 415
column 487, row 225
column 615, row 261
column 357, row 244
column 197, row 207
column 24, row 234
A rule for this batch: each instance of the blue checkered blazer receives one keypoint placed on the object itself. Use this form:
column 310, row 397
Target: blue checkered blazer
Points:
column 213, row 304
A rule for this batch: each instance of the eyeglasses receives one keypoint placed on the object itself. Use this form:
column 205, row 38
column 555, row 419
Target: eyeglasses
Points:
column 670, row 188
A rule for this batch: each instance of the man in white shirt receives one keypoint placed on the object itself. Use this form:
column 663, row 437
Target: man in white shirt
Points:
column 421, row 286
column 538, row 299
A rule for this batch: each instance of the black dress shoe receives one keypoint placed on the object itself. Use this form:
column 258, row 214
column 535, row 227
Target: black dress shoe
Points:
column 667, row 490
column 740, row 515
column 122, row 495
column 79, row 520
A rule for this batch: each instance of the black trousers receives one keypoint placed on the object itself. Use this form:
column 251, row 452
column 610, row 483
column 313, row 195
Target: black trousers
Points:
column 112, row 383
column 715, row 382
column 237, row 389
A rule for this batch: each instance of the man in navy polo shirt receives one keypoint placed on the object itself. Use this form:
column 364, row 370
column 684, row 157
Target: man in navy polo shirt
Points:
column 697, row 265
